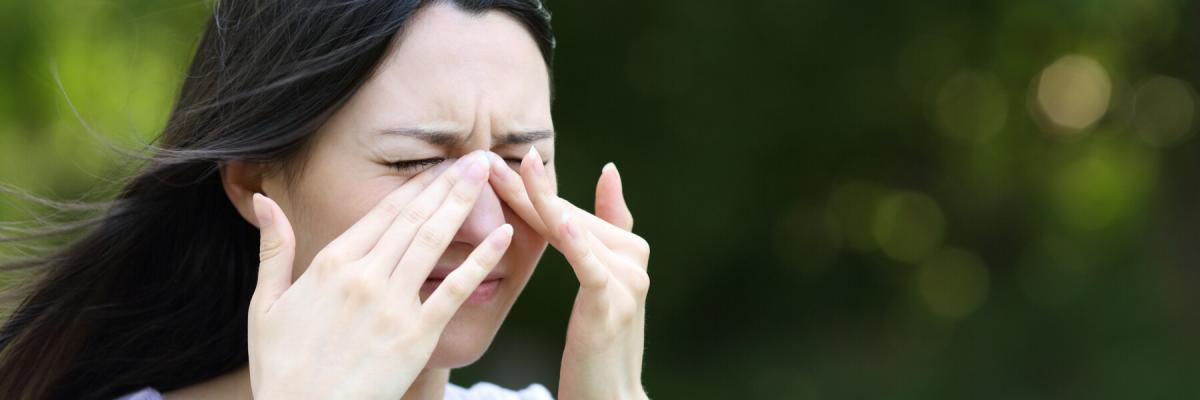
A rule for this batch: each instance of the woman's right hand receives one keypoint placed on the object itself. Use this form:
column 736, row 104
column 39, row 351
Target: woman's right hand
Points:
column 352, row 325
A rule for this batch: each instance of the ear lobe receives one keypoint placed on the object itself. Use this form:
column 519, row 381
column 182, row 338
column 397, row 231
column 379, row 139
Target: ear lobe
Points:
column 241, row 180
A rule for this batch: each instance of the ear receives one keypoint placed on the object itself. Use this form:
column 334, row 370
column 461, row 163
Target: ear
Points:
column 241, row 180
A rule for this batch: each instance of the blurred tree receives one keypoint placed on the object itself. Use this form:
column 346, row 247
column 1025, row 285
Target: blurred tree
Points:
column 908, row 199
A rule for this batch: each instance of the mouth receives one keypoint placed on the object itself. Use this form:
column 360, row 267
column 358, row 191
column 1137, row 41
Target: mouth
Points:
column 484, row 293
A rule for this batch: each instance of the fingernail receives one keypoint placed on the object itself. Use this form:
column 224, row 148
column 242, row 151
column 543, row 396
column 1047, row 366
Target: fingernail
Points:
column 478, row 155
column 502, row 240
column 609, row 167
column 538, row 168
column 477, row 167
column 498, row 166
column 262, row 211
column 566, row 221
column 462, row 163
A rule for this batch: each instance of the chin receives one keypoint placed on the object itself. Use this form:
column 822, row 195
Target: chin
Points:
column 463, row 342
column 471, row 330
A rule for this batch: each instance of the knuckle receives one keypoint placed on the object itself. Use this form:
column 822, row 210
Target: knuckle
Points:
column 595, row 280
column 329, row 258
column 430, row 239
column 484, row 257
column 268, row 251
column 624, row 313
column 641, row 246
column 462, row 196
column 391, row 206
column 360, row 287
column 640, row 283
column 457, row 288
column 623, row 319
column 452, row 177
column 269, row 247
column 472, row 271
column 414, row 216
column 392, row 320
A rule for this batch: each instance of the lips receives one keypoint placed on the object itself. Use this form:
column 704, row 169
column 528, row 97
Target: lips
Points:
column 439, row 273
column 482, row 294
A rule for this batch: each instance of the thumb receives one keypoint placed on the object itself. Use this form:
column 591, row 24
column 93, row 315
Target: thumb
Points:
column 610, row 199
column 277, row 249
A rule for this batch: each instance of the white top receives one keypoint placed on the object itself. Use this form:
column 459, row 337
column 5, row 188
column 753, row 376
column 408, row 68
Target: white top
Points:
column 488, row 391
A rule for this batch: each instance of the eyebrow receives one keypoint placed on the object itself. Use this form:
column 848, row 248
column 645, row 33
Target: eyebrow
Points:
column 445, row 138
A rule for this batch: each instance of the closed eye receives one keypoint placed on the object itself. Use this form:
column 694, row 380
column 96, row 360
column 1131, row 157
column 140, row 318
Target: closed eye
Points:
column 415, row 165
column 422, row 164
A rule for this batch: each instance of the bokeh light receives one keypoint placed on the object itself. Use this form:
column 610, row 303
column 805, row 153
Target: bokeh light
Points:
column 1073, row 92
column 953, row 283
column 1106, row 182
column 908, row 225
column 851, row 212
column 971, row 107
column 1164, row 110
column 915, row 199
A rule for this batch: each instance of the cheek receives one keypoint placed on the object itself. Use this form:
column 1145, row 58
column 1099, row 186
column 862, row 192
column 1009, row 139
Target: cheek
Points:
column 326, row 211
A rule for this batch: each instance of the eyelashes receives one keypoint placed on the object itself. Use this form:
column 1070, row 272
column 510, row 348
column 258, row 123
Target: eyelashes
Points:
column 415, row 165
column 425, row 163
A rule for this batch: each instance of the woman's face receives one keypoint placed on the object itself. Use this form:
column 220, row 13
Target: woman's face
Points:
column 465, row 82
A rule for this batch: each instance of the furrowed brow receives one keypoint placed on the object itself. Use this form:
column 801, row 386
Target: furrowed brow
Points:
column 524, row 137
column 432, row 136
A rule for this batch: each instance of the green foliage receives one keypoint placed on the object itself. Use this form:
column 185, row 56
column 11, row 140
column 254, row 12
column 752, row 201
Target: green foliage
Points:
column 909, row 199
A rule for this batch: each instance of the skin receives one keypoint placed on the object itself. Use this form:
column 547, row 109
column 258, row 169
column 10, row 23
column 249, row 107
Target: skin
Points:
column 344, row 309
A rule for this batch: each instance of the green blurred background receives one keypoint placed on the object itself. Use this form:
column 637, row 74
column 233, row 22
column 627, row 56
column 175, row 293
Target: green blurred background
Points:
column 911, row 199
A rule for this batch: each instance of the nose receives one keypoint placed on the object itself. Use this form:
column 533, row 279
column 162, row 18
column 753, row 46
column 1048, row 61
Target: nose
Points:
column 483, row 219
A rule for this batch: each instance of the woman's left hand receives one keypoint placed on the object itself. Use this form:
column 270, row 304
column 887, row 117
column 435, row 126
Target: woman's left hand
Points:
column 603, row 354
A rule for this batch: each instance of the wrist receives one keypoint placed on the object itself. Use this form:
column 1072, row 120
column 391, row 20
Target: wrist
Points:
column 635, row 393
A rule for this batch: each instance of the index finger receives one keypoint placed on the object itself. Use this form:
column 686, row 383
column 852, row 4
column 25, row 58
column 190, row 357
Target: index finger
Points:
column 537, row 184
column 362, row 236
column 511, row 188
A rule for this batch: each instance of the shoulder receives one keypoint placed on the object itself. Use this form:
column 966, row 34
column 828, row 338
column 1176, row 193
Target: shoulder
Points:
column 489, row 391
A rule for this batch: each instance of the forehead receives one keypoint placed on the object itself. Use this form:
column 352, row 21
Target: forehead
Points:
column 450, row 67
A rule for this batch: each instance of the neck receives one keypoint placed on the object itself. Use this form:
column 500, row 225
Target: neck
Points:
column 429, row 385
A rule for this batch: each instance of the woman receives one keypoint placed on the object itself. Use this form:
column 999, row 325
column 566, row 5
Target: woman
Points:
column 345, row 202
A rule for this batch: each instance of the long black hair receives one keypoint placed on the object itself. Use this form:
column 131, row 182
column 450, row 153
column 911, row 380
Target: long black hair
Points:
column 153, row 289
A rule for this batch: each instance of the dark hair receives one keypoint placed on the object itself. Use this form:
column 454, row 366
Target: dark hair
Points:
column 154, row 290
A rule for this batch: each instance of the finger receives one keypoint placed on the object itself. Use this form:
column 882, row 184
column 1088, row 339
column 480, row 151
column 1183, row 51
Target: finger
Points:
column 607, row 257
column 610, row 199
column 591, row 272
column 537, row 185
column 632, row 273
column 445, row 301
column 277, row 250
column 356, row 241
column 612, row 235
column 508, row 185
column 439, row 209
